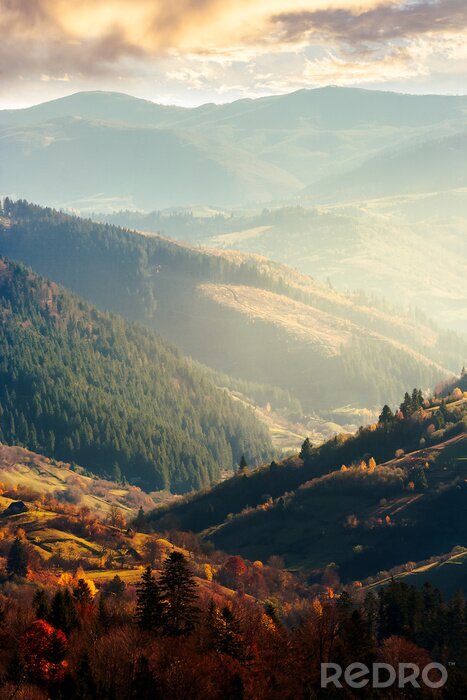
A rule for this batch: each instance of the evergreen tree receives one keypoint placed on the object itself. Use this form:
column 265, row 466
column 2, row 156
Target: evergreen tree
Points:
column 58, row 648
column 242, row 465
column 386, row 415
column 82, row 593
column 178, row 589
column 306, row 450
column 63, row 614
column 406, row 405
column 140, row 520
column 232, row 640
column 18, row 559
column 356, row 639
column 115, row 587
column 149, row 608
column 41, row 604
column 116, row 472
column 371, row 608
column 417, row 399
column 84, row 685
column 224, row 632
column 145, row 686
column 215, row 627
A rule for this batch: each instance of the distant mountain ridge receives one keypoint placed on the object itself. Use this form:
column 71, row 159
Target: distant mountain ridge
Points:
column 327, row 104
column 122, row 151
column 410, row 249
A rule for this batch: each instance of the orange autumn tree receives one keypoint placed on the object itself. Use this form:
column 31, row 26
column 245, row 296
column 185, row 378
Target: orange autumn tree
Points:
column 232, row 572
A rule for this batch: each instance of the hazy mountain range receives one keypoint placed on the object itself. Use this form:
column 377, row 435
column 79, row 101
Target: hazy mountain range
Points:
column 108, row 148
column 365, row 189
column 410, row 249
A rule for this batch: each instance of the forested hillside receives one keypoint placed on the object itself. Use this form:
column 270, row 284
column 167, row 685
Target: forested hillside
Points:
column 240, row 314
column 393, row 492
column 89, row 387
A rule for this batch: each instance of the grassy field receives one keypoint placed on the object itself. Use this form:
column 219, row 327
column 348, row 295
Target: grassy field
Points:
column 449, row 575
column 36, row 474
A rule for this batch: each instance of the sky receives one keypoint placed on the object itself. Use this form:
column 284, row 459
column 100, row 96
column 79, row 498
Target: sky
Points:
column 188, row 52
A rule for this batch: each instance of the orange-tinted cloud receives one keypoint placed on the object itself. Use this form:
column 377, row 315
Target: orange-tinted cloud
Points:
column 217, row 43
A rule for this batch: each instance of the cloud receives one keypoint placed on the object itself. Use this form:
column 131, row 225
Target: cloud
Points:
column 377, row 25
column 222, row 47
column 332, row 69
column 35, row 43
column 387, row 42
column 92, row 36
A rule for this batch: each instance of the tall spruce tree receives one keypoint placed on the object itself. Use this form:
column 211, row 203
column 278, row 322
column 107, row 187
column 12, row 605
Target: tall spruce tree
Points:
column 232, row 642
column 149, row 607
column 41, row 604
column 18, row 559
column 63, row 613
column 242, row 465
column 178, row 589
column 82, row 593
column 140, row 521
column 306, row 450
column 386, row 416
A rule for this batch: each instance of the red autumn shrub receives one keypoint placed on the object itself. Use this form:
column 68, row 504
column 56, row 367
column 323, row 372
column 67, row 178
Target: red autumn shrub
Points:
column 43, row 649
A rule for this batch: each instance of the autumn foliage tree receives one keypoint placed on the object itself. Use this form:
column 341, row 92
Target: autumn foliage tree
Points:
column 43, row 649
column 232, row 572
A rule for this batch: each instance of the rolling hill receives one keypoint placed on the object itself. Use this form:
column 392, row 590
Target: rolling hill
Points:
column 241, row 314
column 360, row 518
column 113, row 164
column 26, row 475
column 86, row 386
column 435, row 165
column 362, row 522
column 401, row 247
column 74, row 524
column 446, row 573
column 120, row 151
